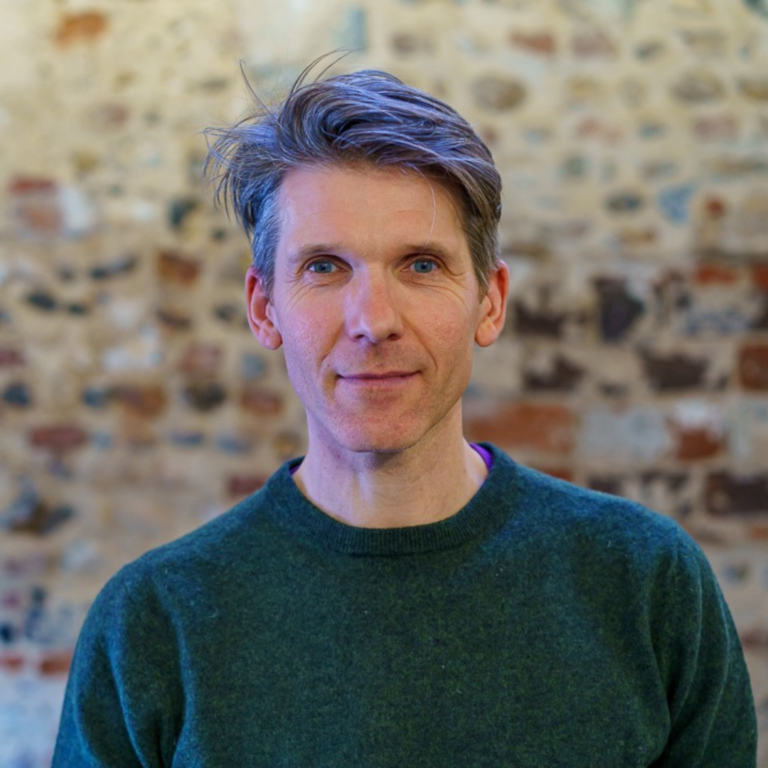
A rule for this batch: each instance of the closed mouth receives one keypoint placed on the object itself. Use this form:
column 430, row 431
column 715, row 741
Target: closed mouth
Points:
column 378, row 376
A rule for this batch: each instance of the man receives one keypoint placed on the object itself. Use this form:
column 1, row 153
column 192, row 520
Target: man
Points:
column 398, row 596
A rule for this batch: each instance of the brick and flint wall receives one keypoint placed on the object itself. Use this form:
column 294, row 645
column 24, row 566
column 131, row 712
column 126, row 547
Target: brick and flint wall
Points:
column 134, row 403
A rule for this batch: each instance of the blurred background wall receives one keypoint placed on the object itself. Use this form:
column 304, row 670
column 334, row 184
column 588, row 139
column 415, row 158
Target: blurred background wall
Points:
column 134, row 403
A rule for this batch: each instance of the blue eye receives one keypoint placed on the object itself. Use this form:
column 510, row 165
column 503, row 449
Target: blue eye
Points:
column 424, row 266
column 322, row 267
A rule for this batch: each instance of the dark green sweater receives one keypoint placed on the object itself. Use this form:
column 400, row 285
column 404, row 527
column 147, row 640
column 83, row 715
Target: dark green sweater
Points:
column 541, row 626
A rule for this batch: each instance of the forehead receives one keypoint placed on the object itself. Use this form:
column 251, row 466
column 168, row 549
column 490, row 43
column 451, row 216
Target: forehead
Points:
column 365, row 197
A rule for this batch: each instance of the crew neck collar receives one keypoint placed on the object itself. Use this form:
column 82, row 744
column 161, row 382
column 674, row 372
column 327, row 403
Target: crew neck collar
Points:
column 485, row 511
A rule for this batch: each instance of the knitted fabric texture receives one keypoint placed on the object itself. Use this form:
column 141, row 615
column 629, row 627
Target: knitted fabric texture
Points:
column 541, row 625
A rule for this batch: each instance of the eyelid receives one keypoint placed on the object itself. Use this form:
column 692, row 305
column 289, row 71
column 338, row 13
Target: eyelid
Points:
column 339, row 265
column 321, row 260
column 426, row 257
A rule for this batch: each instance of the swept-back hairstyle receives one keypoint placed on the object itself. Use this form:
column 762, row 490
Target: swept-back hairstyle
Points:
column 362, row 118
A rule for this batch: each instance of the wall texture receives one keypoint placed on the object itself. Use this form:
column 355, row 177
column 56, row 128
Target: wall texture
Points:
column 134, row 404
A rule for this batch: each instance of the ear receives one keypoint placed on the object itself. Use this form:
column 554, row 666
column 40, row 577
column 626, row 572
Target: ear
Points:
column 493, row 307
column 261, row 312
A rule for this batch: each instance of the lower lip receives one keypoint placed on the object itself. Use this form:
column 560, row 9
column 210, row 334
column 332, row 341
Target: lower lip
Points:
column 385, row 382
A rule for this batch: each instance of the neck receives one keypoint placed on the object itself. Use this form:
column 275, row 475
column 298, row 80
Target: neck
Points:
column 393, row 490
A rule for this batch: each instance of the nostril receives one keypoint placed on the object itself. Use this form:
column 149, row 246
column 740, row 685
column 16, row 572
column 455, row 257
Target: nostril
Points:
column 374, row 319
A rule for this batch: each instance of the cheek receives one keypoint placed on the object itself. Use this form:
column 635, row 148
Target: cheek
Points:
column 450, row 345
column 452, row 332
column 304, row 343
column 298, row 336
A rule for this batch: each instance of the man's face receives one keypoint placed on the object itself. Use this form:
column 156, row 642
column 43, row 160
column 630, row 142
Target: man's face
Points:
column 376, row 304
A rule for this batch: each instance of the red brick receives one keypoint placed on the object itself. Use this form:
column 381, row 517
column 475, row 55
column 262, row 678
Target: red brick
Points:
column 35, row 204
column 758, row 532
column 260, row 401
column 715, row 208
column 40, row 217
column 24, row 185
column 531, row 426
column 760, row 276
column 11, row 356
column 11, row 662
column 697, row 443
column 145, row 400
column 753, row 367
column 55, row 663
column 242, row 485
column 542, row 43
column 80, row 28
column 173, row 267
column 58, row 438
column 714, row 274
column 201, row 359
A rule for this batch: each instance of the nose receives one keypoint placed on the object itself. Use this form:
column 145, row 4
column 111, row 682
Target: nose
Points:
column 372, row 308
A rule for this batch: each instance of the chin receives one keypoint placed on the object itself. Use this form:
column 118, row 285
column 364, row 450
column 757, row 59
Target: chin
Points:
column 377, row 443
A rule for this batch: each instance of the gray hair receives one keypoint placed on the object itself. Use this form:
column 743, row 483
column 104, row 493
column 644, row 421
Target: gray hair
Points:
column 362, row 118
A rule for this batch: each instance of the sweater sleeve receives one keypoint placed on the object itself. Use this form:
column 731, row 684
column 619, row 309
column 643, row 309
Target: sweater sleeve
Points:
column 118, row 707
column 711, row 708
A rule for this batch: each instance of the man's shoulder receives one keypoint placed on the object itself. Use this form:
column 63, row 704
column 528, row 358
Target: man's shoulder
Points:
column 553, row 509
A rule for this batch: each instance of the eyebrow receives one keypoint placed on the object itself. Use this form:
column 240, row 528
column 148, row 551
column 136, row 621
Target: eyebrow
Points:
column 318, row 249
column 329, row 249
